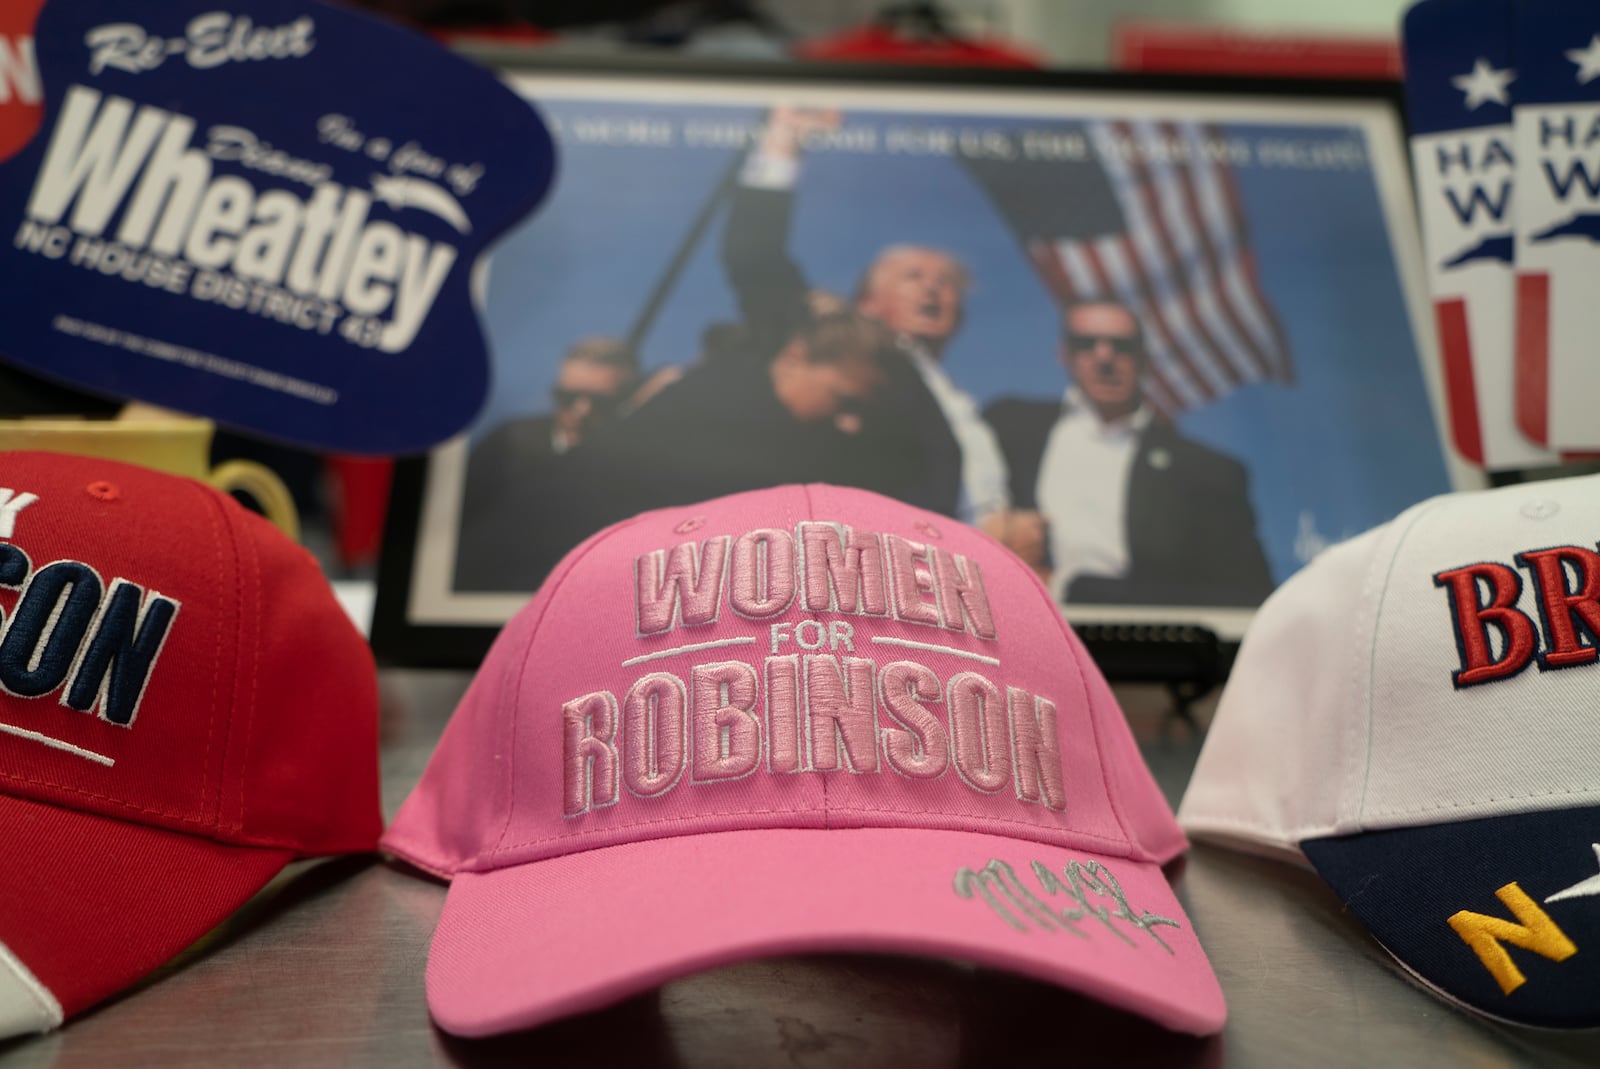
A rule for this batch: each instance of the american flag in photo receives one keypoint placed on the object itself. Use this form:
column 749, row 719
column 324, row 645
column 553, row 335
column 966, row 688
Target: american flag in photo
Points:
column 1151, row 218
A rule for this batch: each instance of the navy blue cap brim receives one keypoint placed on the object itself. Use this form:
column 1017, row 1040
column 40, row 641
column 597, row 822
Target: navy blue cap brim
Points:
column 1500, row 914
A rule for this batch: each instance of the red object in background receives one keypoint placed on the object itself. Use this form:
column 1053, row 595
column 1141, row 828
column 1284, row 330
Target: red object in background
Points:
column 515, row 34
column 1533, row 357
column 21, row 91
column 879, row 43
column 1461, row 394
column 1177, row 49
column 359, row 500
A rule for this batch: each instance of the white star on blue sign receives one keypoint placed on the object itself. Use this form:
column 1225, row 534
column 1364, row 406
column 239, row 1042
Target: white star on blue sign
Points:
column 1587, row 59
column 1484, row 84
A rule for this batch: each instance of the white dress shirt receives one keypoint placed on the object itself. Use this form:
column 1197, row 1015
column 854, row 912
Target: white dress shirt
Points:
column 1083, row 490
column 985, row 484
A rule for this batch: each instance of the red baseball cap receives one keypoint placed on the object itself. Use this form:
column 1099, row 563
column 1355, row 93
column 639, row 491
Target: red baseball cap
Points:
column 184, row 709
column 800, row 719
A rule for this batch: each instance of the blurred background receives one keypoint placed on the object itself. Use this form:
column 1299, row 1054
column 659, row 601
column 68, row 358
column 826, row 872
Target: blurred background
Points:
column 1061, row 33
column 342, row 500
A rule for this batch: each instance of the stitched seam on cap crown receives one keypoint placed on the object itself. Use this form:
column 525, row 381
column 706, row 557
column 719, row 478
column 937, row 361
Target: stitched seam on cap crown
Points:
column 255, row 671
column 1372, row 650
column 549, row 588
column 1353, row 733
column 1294, row 834
column 1289, row 836
column 1441, row 807
column 827, row 821
column 213, row 512
column 215, row 500
column 131, row 807
column 789, row 811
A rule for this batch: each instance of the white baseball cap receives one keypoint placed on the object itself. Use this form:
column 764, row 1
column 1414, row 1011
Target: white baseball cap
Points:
column 1417, row 714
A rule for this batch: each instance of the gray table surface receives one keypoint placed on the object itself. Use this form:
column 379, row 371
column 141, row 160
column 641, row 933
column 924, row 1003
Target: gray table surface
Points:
column 325, row 968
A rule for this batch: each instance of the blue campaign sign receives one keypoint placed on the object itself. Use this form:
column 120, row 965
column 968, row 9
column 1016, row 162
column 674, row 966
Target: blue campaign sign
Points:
column 267, row 212
column 1558, row 46
column 1459, row 72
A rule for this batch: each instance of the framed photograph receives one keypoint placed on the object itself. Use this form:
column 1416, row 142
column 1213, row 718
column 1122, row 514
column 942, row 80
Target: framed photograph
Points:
column 1165, row 337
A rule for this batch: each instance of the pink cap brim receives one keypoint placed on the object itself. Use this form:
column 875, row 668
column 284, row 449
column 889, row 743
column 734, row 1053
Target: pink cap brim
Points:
column 520, row 946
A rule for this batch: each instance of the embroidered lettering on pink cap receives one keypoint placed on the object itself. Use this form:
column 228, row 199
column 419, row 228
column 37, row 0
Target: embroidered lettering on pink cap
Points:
column 908, row 563
column 655, row 713
column 962, row 600
column 727, row 733
column 842, row 709
column 588, row 725
column 783, row 714
column 763, row 574
column 815, row 711
column 917, row 748
column 977, row 718
column 843, row 570
column 1035, row 750
column 680, row 586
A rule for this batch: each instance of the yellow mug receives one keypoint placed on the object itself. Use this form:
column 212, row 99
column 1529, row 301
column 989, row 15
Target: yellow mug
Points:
column 177, row 444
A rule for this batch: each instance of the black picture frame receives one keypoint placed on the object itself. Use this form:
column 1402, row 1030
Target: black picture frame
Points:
column 1131, row 642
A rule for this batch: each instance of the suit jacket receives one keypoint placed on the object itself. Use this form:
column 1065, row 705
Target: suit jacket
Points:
column 506, row 474
column 718, row 430
column 1190, row 528
column 906, row 422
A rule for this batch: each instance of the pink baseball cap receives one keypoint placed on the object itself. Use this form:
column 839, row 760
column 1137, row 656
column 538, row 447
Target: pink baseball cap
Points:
column 786, row 721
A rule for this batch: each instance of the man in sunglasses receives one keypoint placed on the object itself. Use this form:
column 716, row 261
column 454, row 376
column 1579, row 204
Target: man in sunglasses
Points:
column 596, row 382
column 1112, row 502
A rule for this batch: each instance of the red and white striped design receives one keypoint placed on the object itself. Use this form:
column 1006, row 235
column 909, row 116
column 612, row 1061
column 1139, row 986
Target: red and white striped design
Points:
column 1557, row 317
column 1182, row 263
column 1474, row 295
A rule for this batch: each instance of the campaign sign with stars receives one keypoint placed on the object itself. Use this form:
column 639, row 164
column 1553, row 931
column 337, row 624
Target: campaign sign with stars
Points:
column 1557, row 120
column 268, row 212
column 1459, row 90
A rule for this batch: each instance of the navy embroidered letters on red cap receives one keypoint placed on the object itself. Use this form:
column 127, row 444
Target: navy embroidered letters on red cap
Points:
column 71, row 631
